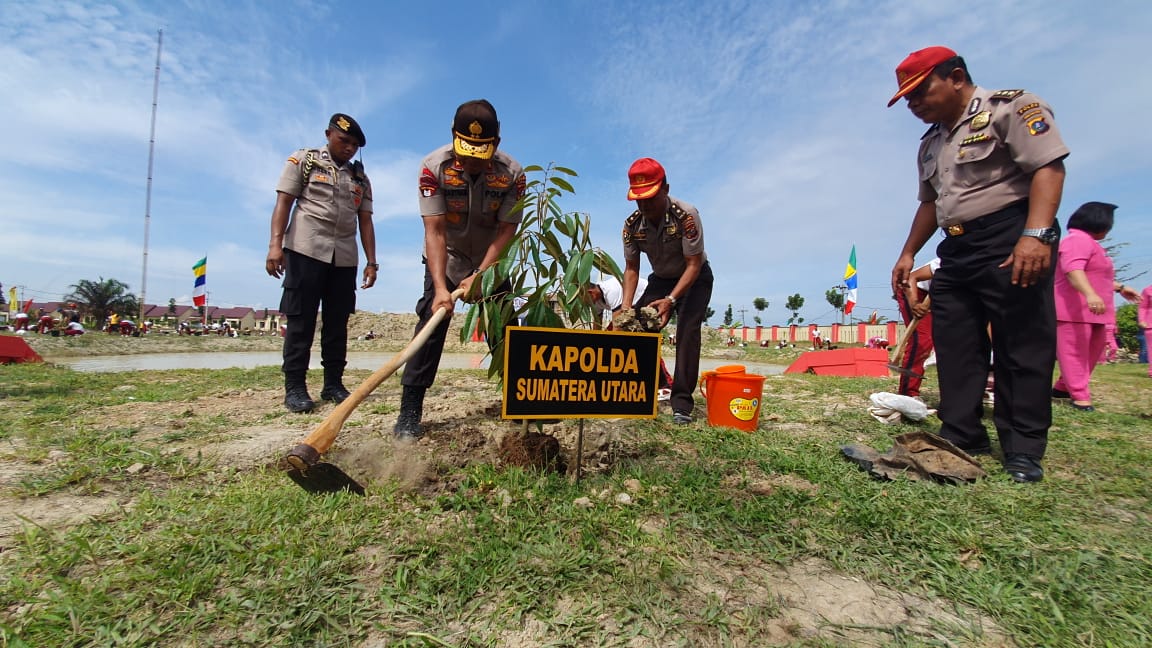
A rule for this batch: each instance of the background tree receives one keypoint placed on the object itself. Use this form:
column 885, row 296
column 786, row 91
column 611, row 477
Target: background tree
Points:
column 708, row 313
column 835, row 298
column 759, row 304
column 1127, row 327
column 756, row 319
column 97, row 300
column 728, row 316
column 1123, row 270
column 794, row 304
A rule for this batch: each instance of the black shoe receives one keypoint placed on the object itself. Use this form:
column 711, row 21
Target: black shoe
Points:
column 1060, row 393
column 407, row 426
column 681, row 418
column 337, row 394
column 1023, row 469
column 296, row 399
column 1083, row 408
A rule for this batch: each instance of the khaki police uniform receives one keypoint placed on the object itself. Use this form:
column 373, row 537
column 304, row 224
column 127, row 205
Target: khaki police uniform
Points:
column 320, row 255
column 472, row 208
column 678, row 235
column 979, row 175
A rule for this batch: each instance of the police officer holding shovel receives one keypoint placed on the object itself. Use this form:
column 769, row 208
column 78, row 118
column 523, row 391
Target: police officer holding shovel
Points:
column 468, row 194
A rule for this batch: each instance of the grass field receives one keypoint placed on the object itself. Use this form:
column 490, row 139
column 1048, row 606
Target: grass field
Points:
column 693, row 536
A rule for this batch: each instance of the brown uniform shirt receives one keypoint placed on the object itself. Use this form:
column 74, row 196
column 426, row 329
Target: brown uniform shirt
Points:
column 679, row 235
column 471, row 207
column 986, row 161
column 329, row 200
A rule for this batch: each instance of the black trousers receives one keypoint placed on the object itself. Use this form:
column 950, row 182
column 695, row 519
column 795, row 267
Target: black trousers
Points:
column 969, row 294
column 690, row 311
column 308, row 283
column 420, row 370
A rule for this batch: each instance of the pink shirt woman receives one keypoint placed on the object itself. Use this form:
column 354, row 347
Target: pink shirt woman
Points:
column 1084, row 283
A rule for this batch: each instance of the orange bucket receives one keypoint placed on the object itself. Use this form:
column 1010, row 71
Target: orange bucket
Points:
column 733, row 397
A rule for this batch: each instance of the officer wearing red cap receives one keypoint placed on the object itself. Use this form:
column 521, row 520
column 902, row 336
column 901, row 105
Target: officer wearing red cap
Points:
column 669, row 232
column 322, row 199
column 991, row 174
column 468, row 194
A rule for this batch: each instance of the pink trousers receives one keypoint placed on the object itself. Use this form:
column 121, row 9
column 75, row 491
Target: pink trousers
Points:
column 1078, row 348
column 1148, row 345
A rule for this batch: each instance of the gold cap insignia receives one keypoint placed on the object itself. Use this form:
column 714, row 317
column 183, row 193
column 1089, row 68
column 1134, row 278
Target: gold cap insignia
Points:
column 343, row 124
column 475, row 128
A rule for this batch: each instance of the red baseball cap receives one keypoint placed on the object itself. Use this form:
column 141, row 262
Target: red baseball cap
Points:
column 645, row 177
column 913, row 70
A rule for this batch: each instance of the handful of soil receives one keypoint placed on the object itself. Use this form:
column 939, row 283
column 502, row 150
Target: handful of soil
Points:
column 637, row 320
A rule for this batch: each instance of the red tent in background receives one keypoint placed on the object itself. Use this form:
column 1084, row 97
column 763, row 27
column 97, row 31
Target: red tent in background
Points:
column 14, row 349
column 842, row 362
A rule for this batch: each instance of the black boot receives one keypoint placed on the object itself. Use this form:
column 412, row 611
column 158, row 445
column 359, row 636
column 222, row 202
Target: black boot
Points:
column 411, row 409
column 334, row 389
column 296, row 397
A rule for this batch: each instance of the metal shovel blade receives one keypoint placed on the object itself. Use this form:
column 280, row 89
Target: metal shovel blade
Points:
column 324, row 478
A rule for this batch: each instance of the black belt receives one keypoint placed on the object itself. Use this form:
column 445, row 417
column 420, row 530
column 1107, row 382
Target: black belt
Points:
column 1018, row 209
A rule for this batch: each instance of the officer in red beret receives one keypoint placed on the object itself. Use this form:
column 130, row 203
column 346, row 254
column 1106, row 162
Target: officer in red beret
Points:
column 991, row 173
column 668, row 231
column 323, row 199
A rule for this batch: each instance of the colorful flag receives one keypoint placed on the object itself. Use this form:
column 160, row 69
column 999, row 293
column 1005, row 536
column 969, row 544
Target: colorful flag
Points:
column 200, row 291
column 13, row 300
column 850, row 281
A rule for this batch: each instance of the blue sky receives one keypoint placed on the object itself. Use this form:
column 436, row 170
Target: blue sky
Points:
column 769, row 116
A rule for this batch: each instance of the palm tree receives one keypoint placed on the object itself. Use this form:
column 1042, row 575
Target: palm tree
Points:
column 99, row 299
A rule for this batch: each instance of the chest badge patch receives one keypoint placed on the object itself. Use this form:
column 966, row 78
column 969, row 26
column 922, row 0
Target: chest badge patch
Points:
column 980, row 121
column 974, row 139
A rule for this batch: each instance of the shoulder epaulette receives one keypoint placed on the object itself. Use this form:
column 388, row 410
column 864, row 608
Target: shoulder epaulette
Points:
column 309, row 162
column 1006, row 95
column 633, row 219
column 931, row 129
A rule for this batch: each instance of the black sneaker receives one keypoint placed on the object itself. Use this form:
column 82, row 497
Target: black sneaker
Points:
column 337, row 394
column 681, row 418
column 297, row 400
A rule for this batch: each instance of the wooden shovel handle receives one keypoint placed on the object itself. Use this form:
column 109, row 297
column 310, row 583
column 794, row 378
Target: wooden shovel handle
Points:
column 898, row 353
column 324, row 435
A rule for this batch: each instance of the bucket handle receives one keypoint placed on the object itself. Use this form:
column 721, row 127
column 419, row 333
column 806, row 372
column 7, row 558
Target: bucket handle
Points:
column 704, row 383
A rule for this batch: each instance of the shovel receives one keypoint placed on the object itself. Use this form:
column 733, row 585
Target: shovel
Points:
column 306, row 468
column 899, row 352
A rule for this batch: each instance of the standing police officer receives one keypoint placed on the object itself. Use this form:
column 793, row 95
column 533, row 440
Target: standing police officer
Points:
column 468, row 191
column 322, row 199
column 668, row 230
column 991, row 175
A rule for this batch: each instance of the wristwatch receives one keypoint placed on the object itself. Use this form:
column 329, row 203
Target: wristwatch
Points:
column 671, row 299
column 374, row 266
column 1047, row 235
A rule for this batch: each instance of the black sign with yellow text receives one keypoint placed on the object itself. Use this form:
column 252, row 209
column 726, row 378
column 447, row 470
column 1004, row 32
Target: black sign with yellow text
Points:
column 559, row 373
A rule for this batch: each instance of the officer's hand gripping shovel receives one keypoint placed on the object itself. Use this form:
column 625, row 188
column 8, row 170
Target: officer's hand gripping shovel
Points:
column 898, row 354
column 305, row 467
